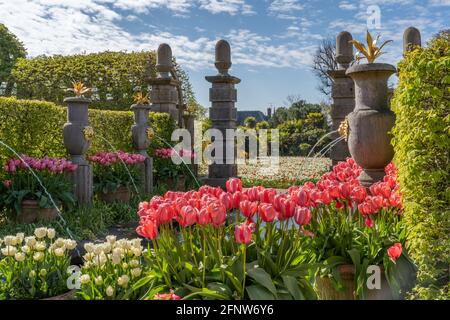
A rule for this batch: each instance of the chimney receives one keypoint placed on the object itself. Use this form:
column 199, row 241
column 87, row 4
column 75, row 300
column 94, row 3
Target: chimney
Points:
column 269, row 113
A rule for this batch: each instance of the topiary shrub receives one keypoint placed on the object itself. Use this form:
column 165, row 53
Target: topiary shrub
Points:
column 35, row 128
column 422, row 148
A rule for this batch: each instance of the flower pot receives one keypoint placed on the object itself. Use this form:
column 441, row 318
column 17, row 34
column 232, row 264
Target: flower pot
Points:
column 70, row 295
column 327, row 291
column 32, row 212
column 174, row 183
column 369, row 140
column 121, row 195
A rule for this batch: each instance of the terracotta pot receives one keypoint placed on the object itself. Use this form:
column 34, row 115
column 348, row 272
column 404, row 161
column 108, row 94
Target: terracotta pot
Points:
column 170, row 182
column 369, row 140
column 121, row 195
column 65, row 296
column 32, row 212
column 327, row 291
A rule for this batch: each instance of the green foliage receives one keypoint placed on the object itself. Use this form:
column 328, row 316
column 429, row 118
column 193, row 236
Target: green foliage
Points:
column 113, row 76
column 35, row 128
column 422, row 145
column 10, row 50
column 294, row 133
column 250, row 122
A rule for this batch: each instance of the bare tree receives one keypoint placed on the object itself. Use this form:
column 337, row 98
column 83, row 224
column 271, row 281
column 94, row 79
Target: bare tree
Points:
column 324, row 61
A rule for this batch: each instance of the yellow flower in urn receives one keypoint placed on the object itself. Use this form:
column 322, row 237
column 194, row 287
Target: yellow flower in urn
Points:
column 79, row 89
column 141, row 98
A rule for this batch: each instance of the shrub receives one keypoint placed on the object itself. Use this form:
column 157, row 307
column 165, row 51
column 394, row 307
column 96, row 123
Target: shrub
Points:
column 421, row 140
column 114, row 76
column 35, row 128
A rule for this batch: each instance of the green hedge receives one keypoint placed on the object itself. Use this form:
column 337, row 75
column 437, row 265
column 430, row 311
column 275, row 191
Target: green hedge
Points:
column 35, row 128
column 114, row 77
column 422, row 145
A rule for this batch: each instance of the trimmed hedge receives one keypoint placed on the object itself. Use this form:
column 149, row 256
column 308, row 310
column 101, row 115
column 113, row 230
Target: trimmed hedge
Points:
column 422, row 149
column 114, row 76
column 35, row 128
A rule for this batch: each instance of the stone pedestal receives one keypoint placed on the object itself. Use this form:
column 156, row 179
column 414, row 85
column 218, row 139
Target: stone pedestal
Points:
column 370, row 123
column 141, row 141
column 189, row 121
column 223, row 115
column 343, row 94
column 77, row 138
column 163, row 89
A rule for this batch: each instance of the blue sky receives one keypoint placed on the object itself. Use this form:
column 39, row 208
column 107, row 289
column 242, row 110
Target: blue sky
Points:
column 272, row 41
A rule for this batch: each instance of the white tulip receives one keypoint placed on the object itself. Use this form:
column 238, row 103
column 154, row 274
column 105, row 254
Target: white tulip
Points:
column 30, row 241
column 109, row 291
column 89, row 247
column 40, row 232
column 134, row 263
column 51, row 233
column 70, row 244
column 123, row 280
column 136, row 272
column 19, row 256
column 38, row 256
column 10, row 240
column 40, row 246
column 59, row 252
column 32, row 274
column 20, row 236
column 9, row 251
column 85, row 278
column 111, row 239
column 98, row 281
column 26, row 249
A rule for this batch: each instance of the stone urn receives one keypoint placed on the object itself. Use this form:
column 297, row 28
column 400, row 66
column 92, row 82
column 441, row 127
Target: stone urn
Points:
column 369, row 140
column 77, row 132
column 140, row 129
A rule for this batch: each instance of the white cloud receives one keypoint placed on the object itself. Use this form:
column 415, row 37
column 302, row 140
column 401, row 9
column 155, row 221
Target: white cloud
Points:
column 285, row 9
column 440, row 2
column 345, row 5
column 231, row 7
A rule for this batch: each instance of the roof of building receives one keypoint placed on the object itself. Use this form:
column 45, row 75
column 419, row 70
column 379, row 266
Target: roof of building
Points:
column 258, row 115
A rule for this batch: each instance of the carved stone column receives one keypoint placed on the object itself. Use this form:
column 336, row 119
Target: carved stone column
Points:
column 142, row 134
column 163, row 91
column 223, row 115
column 77, row 139
column 343, row 93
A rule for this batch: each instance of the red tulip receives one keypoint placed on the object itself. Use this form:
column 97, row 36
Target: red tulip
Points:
column 345, row 190
column 238, row 197
column 248, row 208
column 302, row 216
column 277, row 201
column 287, row 209
column 368, row 222
column 267, row 195
column 217, row 213
column 187, row 216
column 148, row 229
column 203, row 217
column 234, row 185
column 358, row 194
column 243, row 233
column 267, row 212
column 165, row 213
column 227, row 200
column 395, row 251
column 301, row 197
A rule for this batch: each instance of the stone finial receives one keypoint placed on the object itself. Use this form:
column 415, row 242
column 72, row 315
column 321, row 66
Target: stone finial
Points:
column 344, row 49
column 223, row 57
column 411, row 39
column 164, row 60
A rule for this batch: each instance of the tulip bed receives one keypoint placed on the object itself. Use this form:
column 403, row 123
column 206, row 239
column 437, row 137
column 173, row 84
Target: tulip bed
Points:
column 261, row 244
column 254, row 243
column 292, row 171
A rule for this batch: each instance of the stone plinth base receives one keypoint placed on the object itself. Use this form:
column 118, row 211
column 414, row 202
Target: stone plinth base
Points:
column 83, row 181
column 148, row 175
column 370, row 176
